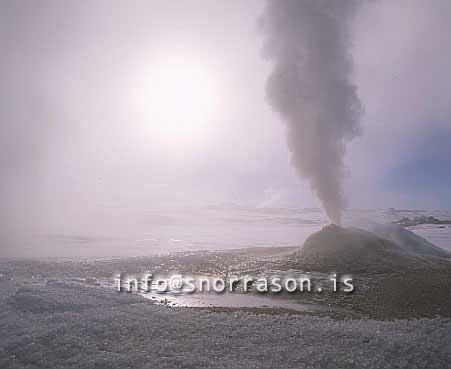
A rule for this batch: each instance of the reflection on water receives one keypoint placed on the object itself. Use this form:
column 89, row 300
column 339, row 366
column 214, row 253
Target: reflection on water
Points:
column 209, row 297
column 227, row 299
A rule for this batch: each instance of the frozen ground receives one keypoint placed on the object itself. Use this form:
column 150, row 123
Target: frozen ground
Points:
column 207, row 228
column 58, row 326
column 51, row 318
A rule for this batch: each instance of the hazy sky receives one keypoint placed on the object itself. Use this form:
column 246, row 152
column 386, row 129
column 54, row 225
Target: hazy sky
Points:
column 138, row 104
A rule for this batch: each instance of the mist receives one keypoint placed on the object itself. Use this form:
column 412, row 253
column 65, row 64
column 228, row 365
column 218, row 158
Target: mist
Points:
column 87, row 153
column 309, row 45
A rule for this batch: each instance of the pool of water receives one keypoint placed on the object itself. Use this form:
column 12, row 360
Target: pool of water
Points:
column 232, row 300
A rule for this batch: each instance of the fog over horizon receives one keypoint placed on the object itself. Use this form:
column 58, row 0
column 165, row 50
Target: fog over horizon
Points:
column 110, row 111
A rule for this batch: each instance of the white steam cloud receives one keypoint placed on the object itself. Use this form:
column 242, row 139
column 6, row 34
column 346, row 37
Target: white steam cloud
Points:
column 308, row 42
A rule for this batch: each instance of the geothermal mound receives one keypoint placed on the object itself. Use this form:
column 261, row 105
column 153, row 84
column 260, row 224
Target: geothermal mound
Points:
column 409, row 241
column 351, row 249
column 400, row 275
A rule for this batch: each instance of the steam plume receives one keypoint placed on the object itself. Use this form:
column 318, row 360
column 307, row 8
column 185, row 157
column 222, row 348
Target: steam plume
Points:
column 308, row 41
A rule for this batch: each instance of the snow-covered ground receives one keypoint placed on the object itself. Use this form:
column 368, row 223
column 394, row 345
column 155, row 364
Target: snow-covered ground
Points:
column 210, row 228
column 56, row 326
column 53, row 320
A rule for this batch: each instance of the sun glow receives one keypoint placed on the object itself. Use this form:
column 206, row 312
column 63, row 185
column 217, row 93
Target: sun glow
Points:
column 181, row 99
